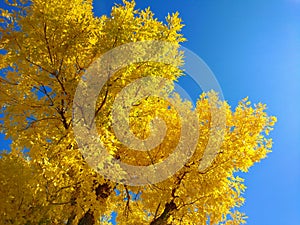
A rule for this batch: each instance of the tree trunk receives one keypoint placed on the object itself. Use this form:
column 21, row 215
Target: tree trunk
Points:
column 162, row 219
column 87, row 219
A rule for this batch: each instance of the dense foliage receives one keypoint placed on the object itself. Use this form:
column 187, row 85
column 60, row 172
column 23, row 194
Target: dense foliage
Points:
column 46, row 48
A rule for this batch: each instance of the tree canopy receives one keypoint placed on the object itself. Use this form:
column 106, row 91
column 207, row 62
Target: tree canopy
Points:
column 46, row 48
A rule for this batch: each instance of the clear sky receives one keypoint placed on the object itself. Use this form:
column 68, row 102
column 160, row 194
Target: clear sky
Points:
column 253, row 48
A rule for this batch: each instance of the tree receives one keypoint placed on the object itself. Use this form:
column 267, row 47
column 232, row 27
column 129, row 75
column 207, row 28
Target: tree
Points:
column 47, row 47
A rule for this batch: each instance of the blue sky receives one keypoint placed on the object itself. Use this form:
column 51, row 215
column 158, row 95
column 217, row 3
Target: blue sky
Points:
column 253, row 48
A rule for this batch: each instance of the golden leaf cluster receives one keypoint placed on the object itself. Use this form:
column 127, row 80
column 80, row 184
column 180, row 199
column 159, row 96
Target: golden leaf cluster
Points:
column 46, row 48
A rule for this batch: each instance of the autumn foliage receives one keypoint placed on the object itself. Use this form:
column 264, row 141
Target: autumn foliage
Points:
column 46, row 48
